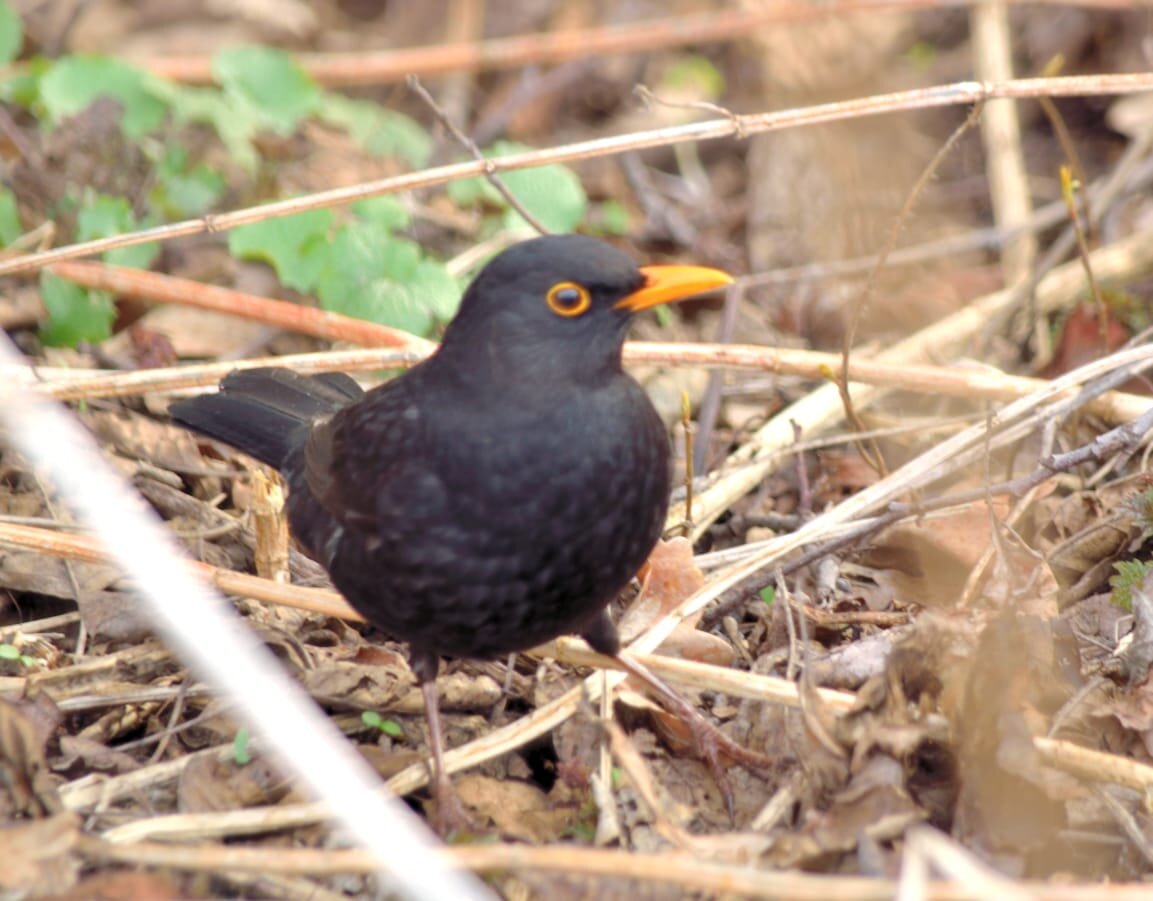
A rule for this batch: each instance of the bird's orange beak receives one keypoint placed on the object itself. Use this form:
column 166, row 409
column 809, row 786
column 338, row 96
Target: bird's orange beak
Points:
column 665, row 284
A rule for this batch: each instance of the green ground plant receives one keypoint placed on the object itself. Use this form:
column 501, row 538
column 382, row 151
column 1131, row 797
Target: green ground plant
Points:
column 361, row 261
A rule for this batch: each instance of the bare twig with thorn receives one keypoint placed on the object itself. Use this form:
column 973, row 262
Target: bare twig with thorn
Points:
column 468, row 144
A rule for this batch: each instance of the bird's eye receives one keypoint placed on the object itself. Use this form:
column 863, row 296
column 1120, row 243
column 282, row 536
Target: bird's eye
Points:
column 568, row 299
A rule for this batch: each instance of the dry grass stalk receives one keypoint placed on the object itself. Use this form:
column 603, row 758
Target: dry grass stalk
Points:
column 959, row 93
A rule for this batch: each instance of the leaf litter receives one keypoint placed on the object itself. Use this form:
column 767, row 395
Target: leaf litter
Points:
column 1005, row 627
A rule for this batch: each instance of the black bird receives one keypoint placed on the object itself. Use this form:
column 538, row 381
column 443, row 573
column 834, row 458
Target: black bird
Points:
column 497, row 495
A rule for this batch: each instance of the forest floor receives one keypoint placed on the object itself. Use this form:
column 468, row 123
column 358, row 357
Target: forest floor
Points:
column 930, row 608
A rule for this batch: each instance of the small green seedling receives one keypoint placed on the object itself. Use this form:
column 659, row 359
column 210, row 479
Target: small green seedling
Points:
column 11, row 652
column 241, row 756
column 374, row 720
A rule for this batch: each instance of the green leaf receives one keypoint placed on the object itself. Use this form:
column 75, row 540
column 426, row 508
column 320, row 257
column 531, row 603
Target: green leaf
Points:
column 1129, row 575
column 235, row 127
column 374, row 720
column 295, row 246
column 693, row 74
column 921, row 55
column 74, row 314
column 392, row 729
column 103, row 216
column 379, row 277
column 439, row 290
column 23, row 86
column 240, row 752
column 380, row 131
column 468, row 192
column 614, row 218
column 553, row 194
column 268, row 84
column 387, row 212
column 9, row 652
column 74, row 82
column 11, row 33
column 182, row 190
column 768, row 595
column 10, row 227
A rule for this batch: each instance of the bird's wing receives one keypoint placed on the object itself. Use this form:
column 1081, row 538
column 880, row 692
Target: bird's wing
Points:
column 365, row 453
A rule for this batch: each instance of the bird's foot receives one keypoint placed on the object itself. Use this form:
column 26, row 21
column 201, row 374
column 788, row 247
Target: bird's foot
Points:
column 710, row 743
column 448, row 817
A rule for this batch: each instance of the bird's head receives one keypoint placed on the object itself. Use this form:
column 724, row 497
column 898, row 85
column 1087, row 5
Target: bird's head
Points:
column 560, row 306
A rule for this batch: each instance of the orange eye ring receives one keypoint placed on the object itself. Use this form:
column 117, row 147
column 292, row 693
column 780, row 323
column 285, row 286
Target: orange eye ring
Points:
column 568, row 299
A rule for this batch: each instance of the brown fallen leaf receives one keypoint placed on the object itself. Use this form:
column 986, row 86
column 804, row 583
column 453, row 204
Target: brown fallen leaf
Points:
column 1008, row 801
column 210, row 784
column 1084, row 338
column 138, row 437
column 124, row 886
column 518, row 810
column 875, row 804
column 38, row 856
column 27, row 788
column 670, row 576
column 1133, row 709
column 927, row 561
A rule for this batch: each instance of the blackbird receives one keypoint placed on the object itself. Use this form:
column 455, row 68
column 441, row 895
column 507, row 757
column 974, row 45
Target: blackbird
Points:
column 497, row 495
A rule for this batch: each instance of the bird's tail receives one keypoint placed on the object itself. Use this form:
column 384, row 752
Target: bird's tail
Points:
column 264, row 412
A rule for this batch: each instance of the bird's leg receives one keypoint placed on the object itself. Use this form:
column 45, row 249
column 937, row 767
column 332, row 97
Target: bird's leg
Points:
column 710, row 742
column 707, row 738
column 450, row 816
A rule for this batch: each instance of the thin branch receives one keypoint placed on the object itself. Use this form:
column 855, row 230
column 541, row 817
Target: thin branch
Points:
column 965, row 92
column 986, row 382
column 687, row 873
column 349, row 69
column 152, row 287
column 469, row 144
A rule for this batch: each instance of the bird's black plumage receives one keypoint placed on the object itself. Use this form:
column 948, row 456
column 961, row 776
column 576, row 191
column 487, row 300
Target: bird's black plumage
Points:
column 498, row 494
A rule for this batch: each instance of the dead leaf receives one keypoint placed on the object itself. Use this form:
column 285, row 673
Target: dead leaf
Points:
column 210, row 784
column 122, row 885
column 1007, row 799
column 388, row 762
column 517, row 810
column 94, row 755
column 1132, row 705
column 188, row 332
column 114, row 616
column 140, row 437
column 23, row 571
column 26, row 785
column 874, row 805
column 151, row 349
column 371, row 687
column 38, row 856
column 1084, row 338
column 671, row 575
column 927, row 561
